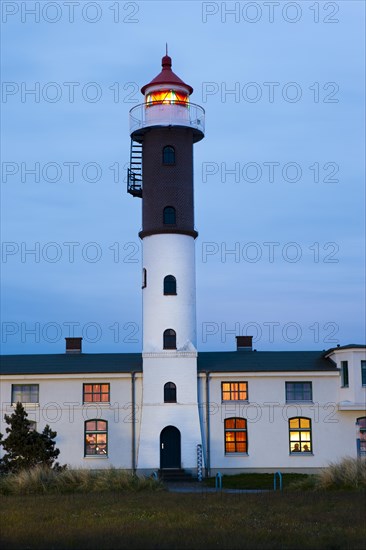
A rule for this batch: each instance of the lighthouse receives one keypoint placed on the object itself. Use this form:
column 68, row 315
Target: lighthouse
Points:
column 163, row 130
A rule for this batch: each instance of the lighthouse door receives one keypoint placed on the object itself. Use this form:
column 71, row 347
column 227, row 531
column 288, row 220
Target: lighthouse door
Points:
column 170, row 448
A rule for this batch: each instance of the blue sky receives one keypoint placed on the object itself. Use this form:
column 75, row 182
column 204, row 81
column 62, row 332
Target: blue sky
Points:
column 279, row 177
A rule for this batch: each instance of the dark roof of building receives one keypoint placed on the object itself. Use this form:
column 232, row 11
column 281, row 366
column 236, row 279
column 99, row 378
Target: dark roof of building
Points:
column 71, row 363
column 264, row 361
column 348, row 346
column 224, row 361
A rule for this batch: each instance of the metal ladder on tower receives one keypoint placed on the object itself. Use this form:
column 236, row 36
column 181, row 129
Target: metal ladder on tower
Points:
column 134, row 172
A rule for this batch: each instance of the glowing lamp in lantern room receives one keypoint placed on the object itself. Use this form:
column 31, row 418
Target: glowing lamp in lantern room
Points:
column 166, row 104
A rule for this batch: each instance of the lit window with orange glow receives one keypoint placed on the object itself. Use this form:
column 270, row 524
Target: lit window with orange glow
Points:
column 95, row 393
column 96, row 437
column 168, row 97
column 300, row 435
column 234, row 391
column 236, row 440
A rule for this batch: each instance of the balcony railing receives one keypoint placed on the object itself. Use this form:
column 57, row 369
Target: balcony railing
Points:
column 146, row 115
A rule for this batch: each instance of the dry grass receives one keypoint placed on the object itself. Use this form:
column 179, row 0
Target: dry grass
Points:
column 42, row 480
column 348, row 474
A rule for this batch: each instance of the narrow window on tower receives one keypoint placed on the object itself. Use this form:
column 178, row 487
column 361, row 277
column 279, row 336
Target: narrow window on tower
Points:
column 170, row 285
column 168, row 155
column 344, row 374
column 170, row 339
column 170, row 392
column 144, row 278
column 169, row 215
column 363, row 373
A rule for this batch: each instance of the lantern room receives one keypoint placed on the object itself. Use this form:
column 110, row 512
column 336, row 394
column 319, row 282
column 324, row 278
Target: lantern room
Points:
column 167, row 103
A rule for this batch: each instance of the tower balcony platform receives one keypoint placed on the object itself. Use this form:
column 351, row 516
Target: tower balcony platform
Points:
column 160, row 114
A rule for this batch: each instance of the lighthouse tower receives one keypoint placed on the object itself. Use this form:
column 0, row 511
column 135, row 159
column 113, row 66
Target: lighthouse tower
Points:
column 163, row 130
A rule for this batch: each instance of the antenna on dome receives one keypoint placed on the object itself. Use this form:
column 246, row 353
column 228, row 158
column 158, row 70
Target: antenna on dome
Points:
column 166, row 48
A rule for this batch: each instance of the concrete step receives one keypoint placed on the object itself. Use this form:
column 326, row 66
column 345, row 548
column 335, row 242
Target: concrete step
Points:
column 176, row 475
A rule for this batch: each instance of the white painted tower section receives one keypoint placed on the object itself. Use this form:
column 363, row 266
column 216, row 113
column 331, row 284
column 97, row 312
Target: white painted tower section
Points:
column 168, row 248
column 169, row 254
column 181, row 369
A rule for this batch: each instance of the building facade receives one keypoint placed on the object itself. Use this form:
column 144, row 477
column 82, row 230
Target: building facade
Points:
column 172, row 407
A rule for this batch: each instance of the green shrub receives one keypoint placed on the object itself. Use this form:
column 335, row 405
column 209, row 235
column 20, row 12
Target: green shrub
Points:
column 40, row 480
column 26, row 448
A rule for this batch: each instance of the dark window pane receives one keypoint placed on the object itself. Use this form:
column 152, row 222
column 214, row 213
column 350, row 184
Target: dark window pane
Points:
column 170, row 285
column 170, row 393
column 344, row 374
column 363, row 372
column 298, row 391
column 168, row 155
column 169, row 215
column 25, row 393
column 361, row 423
column 170, row 339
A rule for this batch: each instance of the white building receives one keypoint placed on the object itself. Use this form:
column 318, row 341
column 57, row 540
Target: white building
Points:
column 171, row 406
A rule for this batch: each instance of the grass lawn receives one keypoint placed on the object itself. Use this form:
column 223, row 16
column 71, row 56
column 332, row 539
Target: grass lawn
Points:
column 162, row 520
column 255, row 481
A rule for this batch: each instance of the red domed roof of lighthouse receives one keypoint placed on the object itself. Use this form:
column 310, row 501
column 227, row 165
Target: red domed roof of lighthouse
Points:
column 166, row 76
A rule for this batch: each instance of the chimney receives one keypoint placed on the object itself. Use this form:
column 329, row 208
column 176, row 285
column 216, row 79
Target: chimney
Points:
column 73, row 345
column 244, row 343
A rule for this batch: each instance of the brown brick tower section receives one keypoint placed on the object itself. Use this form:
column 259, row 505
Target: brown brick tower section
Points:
column 168, row 185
